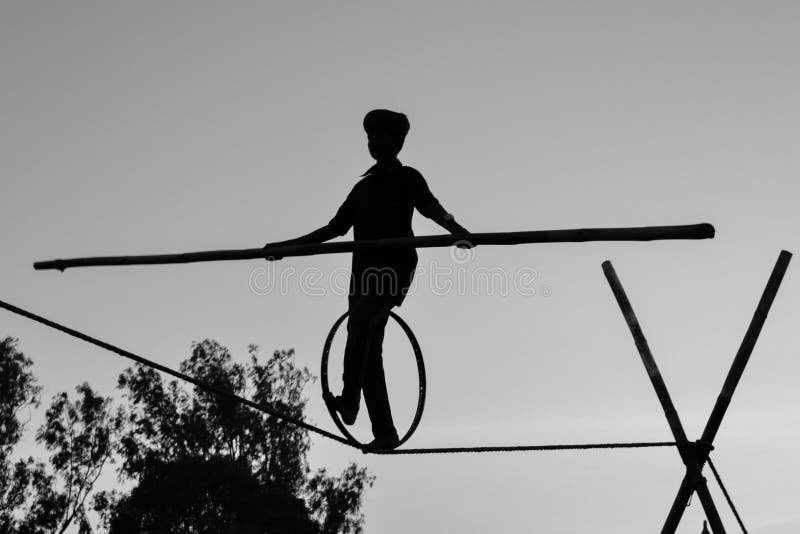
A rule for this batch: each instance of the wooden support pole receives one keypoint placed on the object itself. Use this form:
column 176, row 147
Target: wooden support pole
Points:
column 728, row 388
column 746, row 347
column 644, row 233
column 647, row 357
column 693, row 479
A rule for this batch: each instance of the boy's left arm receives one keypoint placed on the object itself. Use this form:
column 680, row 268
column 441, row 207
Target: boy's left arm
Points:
column 448, row 222
column 430, row 207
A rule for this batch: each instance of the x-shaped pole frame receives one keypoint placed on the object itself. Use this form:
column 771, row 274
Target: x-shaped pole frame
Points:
column 695, row 453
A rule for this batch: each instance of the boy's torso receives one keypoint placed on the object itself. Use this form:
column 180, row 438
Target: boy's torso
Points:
column 384, row 204
column 383, row 208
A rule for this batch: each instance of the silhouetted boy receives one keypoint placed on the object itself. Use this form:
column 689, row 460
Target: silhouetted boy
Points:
column 379, row 206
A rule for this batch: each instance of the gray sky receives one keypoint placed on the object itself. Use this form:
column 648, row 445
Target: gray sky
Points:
column 148, row 127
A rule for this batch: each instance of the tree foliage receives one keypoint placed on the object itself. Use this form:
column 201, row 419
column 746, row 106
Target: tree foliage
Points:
column 199, row 463
column 195, row 496
column 171, row 431
column 18, row 390
column 80, row 436
column 336, row 501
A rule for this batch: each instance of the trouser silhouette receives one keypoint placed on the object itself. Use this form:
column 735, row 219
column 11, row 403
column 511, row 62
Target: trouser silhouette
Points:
column 363, row 360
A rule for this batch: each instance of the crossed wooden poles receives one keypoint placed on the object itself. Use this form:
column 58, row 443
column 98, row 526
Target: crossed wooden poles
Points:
column 695, row 453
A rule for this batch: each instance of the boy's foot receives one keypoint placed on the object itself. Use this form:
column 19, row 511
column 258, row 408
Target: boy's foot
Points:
column 348, row 415
column 384, row 443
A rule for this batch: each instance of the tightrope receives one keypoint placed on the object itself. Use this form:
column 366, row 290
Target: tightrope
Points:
column 199, row 383
column 523, row 448
column 303, row 424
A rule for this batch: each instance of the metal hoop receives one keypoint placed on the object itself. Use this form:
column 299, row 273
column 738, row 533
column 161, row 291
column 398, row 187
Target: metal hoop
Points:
column 326, row 394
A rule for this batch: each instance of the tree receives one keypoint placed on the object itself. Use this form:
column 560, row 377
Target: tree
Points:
column 33, row 498
column 200, row 463
column 221, row 460
column 336, row 502
column 18, row 389
column 80, row 435
column 194, row 495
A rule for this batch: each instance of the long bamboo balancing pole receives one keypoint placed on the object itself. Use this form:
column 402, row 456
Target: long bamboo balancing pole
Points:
column 642, row 233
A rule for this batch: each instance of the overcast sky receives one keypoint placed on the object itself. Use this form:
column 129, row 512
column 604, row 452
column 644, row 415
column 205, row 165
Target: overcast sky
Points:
column 148, row 127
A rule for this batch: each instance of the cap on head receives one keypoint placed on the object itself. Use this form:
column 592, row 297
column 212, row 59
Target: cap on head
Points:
column 384, row 121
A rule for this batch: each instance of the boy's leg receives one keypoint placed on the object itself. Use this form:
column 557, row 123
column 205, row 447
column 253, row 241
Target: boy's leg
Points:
column 355, row 352
column 375, row 395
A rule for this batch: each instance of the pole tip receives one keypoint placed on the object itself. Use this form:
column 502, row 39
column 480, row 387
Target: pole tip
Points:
column 52, row 264
column 706, row 230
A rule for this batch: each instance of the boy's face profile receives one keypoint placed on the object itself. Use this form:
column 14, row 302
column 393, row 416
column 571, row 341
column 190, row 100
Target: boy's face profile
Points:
column 383, row 146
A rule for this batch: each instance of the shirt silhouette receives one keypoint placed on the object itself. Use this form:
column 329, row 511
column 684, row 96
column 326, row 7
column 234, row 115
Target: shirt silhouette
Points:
column 381, row 205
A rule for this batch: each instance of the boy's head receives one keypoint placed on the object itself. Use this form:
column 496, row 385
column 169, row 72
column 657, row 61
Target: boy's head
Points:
column 386, row 132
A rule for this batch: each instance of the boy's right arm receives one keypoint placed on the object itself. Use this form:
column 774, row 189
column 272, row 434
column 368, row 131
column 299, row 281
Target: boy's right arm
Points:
column 337, row 226
column 320, row 235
